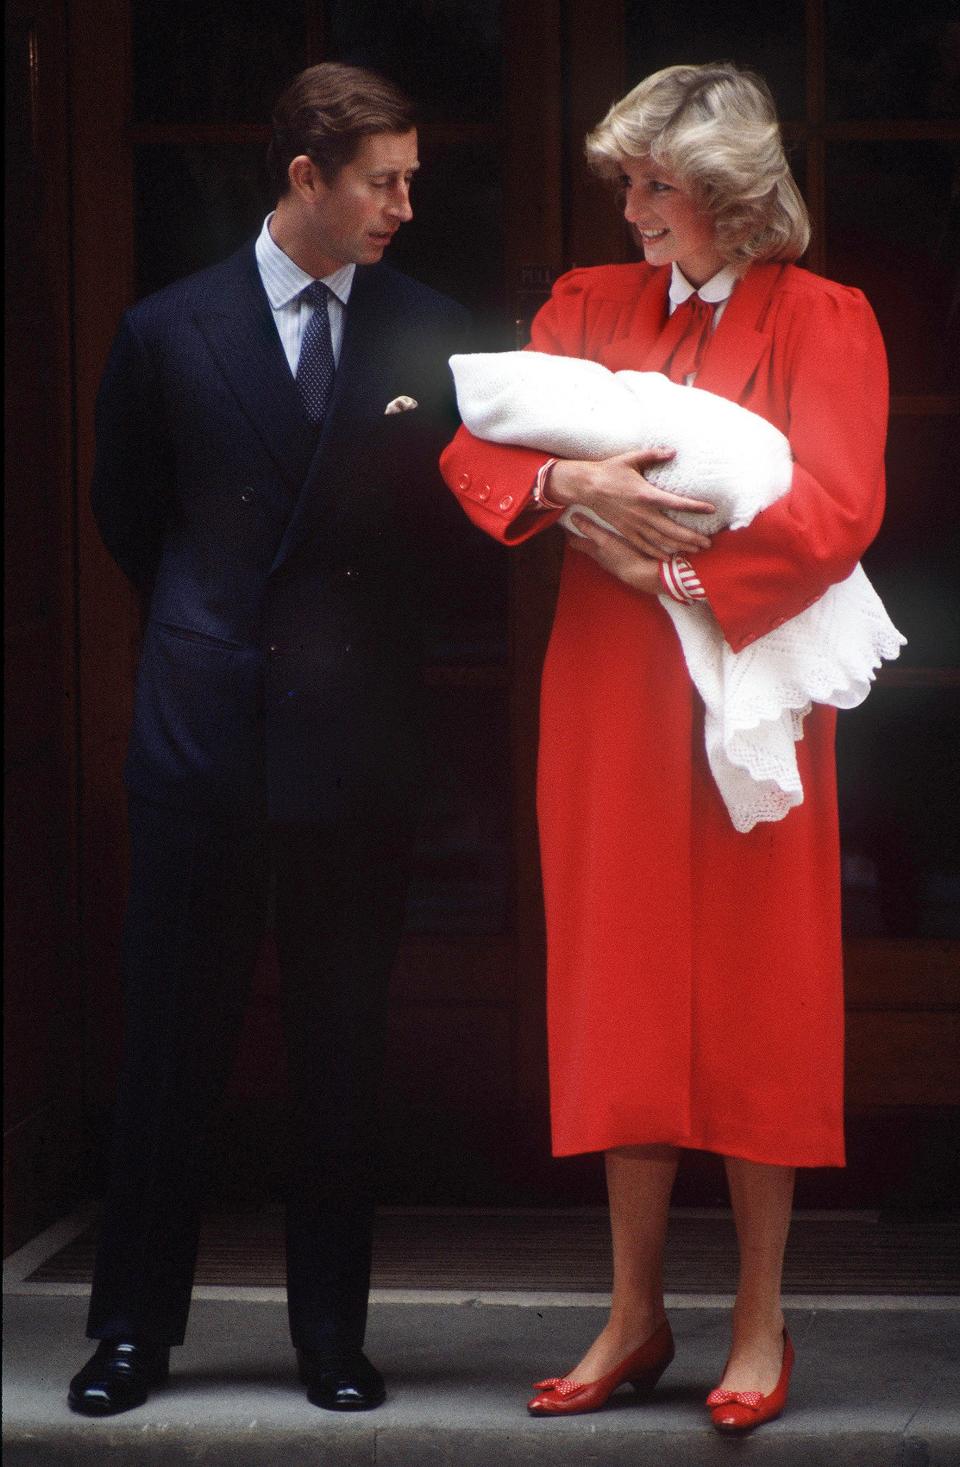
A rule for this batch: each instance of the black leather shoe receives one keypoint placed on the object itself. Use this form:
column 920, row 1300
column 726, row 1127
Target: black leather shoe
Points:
column 341, row 1381
column 117, row 1377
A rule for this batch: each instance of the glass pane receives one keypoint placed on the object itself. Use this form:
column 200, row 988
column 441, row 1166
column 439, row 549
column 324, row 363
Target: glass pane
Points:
column 914, row 562
column 37, row 374
column 893, row 229
column 768, row 38
column 897, row 753
column 448, row 56
column 892, row 61
column 462, row 866
column 214, row 60
column 195, row 205
column 455, row 240
column 899, row 796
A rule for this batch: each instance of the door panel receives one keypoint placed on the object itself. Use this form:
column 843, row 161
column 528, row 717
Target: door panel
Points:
column 870, row 103
column 170, row 105
column 42, row 999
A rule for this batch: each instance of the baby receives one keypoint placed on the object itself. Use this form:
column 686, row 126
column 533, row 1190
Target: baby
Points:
column 755, row 699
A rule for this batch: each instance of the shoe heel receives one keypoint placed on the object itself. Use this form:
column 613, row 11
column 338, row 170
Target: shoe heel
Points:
column 645, row 1384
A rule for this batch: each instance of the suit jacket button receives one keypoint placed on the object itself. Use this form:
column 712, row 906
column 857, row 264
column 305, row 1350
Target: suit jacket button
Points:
column 272, row 647
column 464, row 482
column 246, row 496
column 484, row 493
column 506, row 502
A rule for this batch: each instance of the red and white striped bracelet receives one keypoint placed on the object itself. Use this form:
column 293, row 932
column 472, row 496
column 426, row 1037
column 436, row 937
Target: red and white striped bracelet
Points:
column 680, row 580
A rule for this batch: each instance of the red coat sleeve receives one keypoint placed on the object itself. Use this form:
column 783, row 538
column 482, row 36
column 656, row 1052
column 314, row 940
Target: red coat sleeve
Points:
column 494, row 481
column 829, row 354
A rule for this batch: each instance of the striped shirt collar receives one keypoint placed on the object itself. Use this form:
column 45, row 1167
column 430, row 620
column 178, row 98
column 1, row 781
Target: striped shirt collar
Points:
column 284, row 281
column 718, row 288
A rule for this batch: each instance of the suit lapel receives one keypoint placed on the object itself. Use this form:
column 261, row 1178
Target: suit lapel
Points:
column 361, row 372
column 738, row 343
column 240, row 332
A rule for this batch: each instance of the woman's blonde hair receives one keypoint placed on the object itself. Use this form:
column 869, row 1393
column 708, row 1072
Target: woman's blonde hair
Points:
column 715, row 129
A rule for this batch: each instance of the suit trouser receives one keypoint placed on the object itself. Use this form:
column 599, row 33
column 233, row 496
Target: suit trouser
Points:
column 195, row 920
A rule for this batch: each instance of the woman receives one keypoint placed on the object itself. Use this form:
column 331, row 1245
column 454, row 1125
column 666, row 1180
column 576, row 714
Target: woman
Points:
column 694, row 983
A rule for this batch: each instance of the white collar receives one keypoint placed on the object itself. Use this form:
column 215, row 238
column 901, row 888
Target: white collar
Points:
column 718, row 288
column 284, row 281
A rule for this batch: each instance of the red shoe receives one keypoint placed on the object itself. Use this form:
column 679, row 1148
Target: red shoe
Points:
column 643, row 1368
column 743, row 1410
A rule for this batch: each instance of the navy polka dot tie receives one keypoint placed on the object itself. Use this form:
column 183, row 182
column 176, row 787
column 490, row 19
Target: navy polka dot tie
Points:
column 315, row 369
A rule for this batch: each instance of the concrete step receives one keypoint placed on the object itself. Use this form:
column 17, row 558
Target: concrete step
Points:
column 873, row 1387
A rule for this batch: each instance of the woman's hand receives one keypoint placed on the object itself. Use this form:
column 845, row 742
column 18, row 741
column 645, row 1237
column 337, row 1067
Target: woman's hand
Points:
column 617, row 490
column 638, row 571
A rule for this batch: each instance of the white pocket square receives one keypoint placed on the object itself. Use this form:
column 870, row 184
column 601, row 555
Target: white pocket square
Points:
column 400, row 405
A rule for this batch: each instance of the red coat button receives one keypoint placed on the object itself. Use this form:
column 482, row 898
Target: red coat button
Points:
column 506, row 502
column 464, row 481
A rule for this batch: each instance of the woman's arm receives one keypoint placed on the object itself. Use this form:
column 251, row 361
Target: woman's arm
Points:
column 616, row 489
column 638, row 571
column 494, row 482
column 830, row 355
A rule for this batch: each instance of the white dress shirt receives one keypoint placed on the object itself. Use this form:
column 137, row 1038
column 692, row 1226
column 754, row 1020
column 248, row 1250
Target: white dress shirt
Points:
column 285, row 283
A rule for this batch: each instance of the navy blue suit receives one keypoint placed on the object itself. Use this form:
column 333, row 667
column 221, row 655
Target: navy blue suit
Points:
column 277, row 739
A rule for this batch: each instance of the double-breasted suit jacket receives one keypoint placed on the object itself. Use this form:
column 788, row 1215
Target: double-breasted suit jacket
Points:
column 286, row 570
column 275, row 748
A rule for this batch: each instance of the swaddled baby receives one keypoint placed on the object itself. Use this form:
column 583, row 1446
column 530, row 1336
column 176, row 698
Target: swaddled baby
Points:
column 573, row 408
column 756, row 699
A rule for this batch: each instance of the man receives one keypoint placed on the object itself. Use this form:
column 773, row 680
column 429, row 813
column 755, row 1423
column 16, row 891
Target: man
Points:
column 265, row 471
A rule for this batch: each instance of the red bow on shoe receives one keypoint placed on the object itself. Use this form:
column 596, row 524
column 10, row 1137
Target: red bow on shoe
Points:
column 739, row 1398
column 562, row 1387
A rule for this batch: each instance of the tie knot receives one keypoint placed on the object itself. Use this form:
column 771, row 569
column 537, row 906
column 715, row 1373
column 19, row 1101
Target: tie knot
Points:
column 316, row 292
column 697, row 306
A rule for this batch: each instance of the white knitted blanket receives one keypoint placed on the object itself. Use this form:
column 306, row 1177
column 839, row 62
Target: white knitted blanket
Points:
column 756, row 699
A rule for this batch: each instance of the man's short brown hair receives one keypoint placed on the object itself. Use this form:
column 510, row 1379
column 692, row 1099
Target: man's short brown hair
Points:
column 326, row 111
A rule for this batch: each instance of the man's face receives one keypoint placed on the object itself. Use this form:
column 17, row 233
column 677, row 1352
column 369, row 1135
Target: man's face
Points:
column 355, row 217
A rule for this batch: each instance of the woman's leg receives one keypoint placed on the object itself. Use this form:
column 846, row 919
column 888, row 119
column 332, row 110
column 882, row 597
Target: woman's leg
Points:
column 639, row 1183
column 762, row 1197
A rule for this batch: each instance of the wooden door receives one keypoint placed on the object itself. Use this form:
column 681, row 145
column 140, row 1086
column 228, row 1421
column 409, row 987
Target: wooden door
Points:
column 42, row 1000
column 170, row 105
column 871, row 105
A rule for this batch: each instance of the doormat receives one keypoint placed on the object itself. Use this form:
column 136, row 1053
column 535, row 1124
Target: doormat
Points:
column 567, row 1250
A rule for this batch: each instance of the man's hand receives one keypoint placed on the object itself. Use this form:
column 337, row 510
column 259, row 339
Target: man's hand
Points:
column 638, row 571
column 617, row 490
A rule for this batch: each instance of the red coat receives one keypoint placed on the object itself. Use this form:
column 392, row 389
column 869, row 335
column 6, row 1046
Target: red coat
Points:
column 694, row 973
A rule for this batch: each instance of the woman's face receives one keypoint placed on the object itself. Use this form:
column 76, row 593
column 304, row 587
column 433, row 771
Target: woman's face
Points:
column 667, row 222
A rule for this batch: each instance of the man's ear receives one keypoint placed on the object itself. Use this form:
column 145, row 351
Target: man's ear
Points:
column 305, row 177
